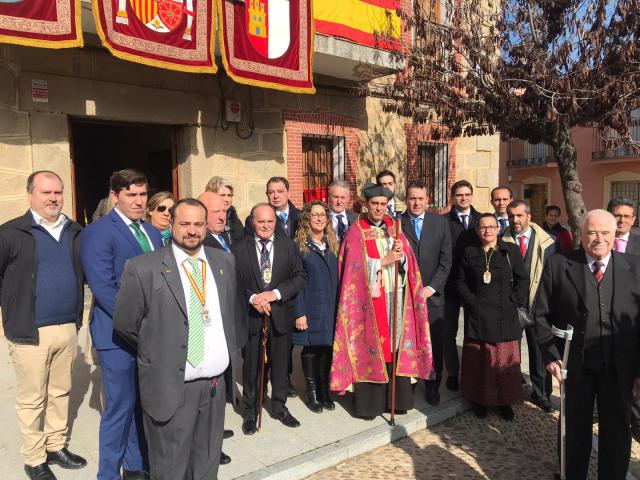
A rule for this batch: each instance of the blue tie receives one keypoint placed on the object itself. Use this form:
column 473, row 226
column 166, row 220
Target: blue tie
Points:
column 342, row 228
column 283, row 217
column 503, row 225
column 417, row 226
column 223, row 243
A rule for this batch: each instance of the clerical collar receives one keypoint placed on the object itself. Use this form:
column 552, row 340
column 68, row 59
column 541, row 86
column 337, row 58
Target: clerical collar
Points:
column 379, row 224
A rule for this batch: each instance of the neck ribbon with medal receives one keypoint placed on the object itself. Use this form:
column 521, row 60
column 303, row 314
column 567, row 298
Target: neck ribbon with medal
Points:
column 201, row 294
column 486, row 277
column 266, row 267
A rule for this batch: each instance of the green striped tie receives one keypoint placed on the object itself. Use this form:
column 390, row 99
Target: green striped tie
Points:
column 195, row 346
column 141, row 238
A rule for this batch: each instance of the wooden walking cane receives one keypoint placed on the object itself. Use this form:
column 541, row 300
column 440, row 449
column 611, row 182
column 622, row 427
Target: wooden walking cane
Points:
column 392, row 422
column 263, row 360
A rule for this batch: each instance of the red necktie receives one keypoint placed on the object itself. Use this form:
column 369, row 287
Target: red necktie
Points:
column 597, row 271
column 523, row 246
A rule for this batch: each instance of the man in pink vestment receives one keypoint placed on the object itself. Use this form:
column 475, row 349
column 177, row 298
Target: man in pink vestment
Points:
column 362, row 353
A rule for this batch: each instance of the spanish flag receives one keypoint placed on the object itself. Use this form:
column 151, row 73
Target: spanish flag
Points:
column 374, row 23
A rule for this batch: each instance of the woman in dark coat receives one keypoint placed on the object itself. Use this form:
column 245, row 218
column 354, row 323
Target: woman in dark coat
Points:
column 316, row 304
column 491, row 281
column 222, row 187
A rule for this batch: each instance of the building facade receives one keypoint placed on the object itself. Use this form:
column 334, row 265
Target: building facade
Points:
column 84, row 113
column 605, row 172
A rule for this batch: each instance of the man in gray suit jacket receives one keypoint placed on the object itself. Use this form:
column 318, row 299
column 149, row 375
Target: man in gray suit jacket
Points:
column 176, row 306
column 430, row 238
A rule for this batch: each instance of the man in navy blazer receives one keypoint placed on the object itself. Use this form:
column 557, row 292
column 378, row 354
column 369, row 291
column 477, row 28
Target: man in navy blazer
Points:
column 105, row 246
column 430, row 238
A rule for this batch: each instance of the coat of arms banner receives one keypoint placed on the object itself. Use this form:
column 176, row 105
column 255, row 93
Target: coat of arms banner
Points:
column 50, row 24
column 173, row 34
column 268, row 43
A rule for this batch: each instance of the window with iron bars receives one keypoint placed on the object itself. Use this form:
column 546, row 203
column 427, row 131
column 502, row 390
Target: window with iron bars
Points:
column 433, row 170
column 322, row 162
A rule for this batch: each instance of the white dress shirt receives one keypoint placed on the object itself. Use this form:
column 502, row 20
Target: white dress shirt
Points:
column 216, row 354
column 127, row 221
column 55, row 228
column 527, row 237
column 270, row 250
column 334, row 219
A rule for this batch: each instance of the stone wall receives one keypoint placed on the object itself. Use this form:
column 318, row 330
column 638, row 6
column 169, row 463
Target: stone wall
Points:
column 89, row 83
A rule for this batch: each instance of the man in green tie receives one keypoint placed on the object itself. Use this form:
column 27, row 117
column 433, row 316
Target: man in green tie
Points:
column 105, row 246
column 177, row 308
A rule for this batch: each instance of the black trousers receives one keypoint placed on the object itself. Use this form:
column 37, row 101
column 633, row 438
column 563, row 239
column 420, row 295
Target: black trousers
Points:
column 278, row 352
column 450, row 332
column 540, row 378
column 635, row 414
column 614, row 437
column 436, row 327
column 372, row 399
column 187, row 447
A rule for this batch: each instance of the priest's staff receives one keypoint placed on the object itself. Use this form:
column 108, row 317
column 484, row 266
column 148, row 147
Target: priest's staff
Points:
column 392, row 422
column 567, row 335
column 263, row 360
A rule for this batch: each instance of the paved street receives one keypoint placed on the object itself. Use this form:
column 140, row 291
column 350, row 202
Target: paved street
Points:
column 466, row 447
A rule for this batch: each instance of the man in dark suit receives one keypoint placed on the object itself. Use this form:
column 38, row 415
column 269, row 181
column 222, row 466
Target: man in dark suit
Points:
column 271, row 274
column 339, row 198
column 286, row 213
column 105, row 246
column 501, row 196
column 596, row 291
column 217, row 237
column 176, row 307
column 430, row 238
column 463, row 219
column 536, row 247
column 624, row 211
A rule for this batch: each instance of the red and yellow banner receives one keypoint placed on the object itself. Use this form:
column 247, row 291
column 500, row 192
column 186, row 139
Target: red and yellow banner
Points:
column 174, row 34
column 374, row 23
column 50, row 23
column 268, row 43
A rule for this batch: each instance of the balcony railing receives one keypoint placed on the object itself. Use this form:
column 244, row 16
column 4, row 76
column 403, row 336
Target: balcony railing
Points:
column 607, row 145
column 524, row 154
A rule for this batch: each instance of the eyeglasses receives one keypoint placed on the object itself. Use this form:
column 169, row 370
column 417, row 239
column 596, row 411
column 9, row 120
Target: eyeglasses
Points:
column 624, row 217
column 226, row 195
column 161, row 208
column 490, row 228
column 319, row 215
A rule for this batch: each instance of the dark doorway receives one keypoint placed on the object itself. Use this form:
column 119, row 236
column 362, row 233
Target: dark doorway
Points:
column 100, row 148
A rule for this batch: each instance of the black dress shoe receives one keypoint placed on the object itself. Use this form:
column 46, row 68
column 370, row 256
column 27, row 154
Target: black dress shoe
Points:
column 39, row 472
column 286, row 418
column 249, row 426
column 453, row 384
column 227, row 434
column 480, row 411
column 224, row 458
column 543, row 404
column 66, row 459
column 506, row 412
column 135, row 475
column 432, row 395
column 635, row 432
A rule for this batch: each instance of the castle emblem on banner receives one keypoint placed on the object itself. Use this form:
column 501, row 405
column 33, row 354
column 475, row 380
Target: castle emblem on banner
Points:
column 162, row 16
column 268, row 26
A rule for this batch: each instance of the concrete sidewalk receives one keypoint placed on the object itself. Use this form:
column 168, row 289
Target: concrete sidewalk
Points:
column 323, row 439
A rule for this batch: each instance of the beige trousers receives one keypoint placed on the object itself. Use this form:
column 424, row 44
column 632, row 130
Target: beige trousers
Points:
column 43, row 375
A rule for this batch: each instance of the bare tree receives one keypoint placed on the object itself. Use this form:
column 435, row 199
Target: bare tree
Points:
column 530, row 69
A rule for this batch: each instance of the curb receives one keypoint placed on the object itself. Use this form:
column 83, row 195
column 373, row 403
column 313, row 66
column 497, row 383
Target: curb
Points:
column 302, row 466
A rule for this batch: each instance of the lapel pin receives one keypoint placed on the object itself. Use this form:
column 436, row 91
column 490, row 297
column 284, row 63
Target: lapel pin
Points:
column 167, row 271
column 221, row 271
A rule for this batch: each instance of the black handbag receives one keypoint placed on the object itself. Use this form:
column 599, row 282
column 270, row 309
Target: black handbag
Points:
column 525, row 318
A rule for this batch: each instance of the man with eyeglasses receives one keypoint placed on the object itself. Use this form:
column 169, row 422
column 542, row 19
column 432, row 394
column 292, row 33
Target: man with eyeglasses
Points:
column 463, row 219
column 625, row 241
column 536, row 247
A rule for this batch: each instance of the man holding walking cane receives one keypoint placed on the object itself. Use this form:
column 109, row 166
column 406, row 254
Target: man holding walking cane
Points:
column 597, row 292
column 271, row 273
column 378, row 270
